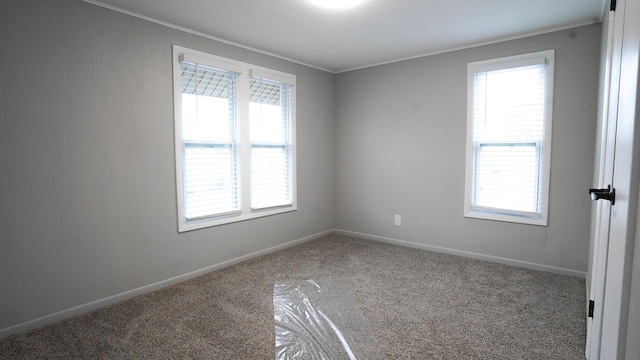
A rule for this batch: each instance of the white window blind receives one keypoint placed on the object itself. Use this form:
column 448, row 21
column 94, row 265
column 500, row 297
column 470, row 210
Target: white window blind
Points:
column 209, row 134
column 507, row 162
column 507, row 177
column 270, row 144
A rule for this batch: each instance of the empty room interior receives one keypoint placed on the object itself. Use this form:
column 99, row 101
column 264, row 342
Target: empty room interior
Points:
column 282, row 179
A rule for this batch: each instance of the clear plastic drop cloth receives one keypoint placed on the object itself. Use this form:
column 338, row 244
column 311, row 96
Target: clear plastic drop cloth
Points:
column 320, row 320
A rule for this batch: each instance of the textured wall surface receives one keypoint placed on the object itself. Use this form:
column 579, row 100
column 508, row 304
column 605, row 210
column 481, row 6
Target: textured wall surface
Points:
column 87, row 179
column 401, row 138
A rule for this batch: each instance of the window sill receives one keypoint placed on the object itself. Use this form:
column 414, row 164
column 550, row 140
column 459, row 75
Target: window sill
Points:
column 201, row 224
column 505, row 217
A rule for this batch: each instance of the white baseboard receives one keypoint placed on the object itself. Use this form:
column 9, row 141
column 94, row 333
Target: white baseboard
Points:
column 490, row 258
column 80, row 309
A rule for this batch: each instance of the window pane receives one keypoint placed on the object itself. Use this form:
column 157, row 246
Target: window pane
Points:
column 509, row 105
column 270, row 177
column 208, row 103
column 507, row 177
column 210, row 180
column 269, row 112
column 508, row 126
column 270, row 151
column 210, row 159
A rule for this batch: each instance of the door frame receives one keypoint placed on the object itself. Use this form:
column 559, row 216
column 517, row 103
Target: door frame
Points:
column 607, row 121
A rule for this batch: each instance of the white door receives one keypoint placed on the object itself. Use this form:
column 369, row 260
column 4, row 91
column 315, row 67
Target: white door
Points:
column 619, row 166
column 609, row 115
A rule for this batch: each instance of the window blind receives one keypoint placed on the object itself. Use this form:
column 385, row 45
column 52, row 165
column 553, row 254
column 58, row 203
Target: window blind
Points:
column 270, row 127
column 508, row 131
column 211, row 175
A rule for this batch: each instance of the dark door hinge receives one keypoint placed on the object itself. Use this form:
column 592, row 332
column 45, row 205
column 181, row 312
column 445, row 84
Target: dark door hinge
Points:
column 591, row 304
column 613, row 5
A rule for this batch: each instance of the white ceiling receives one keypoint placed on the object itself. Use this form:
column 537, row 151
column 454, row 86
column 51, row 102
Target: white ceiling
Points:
column 377, row 32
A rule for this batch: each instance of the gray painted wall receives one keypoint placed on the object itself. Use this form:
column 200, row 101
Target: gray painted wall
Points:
column 87, row 182
column 401, row 137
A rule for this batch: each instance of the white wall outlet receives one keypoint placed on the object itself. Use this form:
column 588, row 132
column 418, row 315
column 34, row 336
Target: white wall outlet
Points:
column 398, row 220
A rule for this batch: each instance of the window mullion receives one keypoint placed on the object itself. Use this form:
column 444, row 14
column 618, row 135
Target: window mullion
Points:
column 244, row 142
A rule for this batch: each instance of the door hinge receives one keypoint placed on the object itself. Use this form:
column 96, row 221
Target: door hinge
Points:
column 613, row 5
column 591, row 304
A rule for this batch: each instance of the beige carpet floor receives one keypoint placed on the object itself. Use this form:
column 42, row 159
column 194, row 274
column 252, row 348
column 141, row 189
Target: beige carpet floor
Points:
column 416, row 304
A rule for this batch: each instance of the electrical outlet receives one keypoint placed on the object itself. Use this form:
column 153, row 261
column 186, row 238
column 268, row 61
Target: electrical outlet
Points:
column 398, row 220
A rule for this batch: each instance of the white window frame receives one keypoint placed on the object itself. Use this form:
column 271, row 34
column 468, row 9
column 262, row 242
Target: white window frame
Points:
column 544, row 146
column 244, row 71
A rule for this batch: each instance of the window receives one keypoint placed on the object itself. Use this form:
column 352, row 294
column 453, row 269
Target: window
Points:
column 509, row 138
column 234, row 139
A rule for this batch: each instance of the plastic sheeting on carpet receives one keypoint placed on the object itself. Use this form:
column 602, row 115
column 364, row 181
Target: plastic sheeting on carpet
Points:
column 314, row 321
